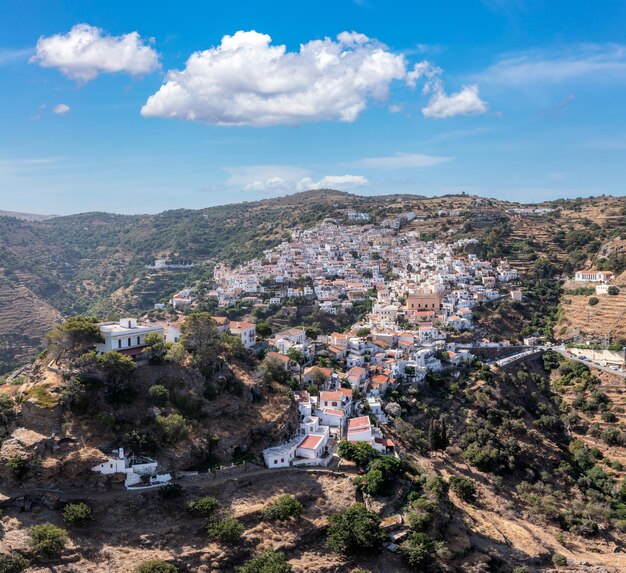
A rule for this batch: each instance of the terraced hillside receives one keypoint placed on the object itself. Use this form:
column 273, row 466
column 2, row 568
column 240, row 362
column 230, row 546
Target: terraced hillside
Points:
column 577, row 318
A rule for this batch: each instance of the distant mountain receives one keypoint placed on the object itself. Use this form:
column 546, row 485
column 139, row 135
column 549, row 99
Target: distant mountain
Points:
column 25, row 216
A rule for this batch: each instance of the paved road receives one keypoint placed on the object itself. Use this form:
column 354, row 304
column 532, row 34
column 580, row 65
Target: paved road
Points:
column 562, row 350
column 117, row 493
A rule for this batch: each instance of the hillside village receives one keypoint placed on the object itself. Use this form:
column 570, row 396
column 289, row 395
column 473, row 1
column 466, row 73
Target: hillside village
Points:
column 416, row 299
column 368, row 352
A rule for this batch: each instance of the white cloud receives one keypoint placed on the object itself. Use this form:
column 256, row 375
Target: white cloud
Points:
column 558, row 65
column 244, row 175
column 288, row 179
column 247, row 81
column 10, row 55
column 339, row 182
column 395, row 108
column 464, row 102
column 86, row 51
column 401, row 161
column 61, row 109
column 421, row 70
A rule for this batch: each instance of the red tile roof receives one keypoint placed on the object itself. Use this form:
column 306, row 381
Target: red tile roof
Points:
column 311, row 442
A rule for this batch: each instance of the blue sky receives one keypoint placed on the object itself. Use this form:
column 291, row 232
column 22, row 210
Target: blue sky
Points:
column 101, row 107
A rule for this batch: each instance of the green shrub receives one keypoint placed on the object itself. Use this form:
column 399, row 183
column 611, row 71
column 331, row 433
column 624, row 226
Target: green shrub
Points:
column 174, row 427
column 355, row 531
column 559, row 560
column 171, row 490
column 269, row 561
column 593, row 300
column 464, row 488
column 18, row 467
column 361, row 453
column 228, row 530
column 77, row 514
column 282, row 508
column 416, row 551
column 613, row 437
column 613, row 290
column 158, row 395
column 608, row 416
column 156, row 566
column 47, row 539
column 13, row 563
column 203, row 506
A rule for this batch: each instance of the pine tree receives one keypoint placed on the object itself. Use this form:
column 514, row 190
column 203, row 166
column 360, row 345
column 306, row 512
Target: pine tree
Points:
column 444, row 435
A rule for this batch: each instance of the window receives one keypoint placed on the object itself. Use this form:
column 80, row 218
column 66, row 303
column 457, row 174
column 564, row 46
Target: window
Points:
column 275, row 461
column 119, row 343
column 129, row 342
column 282, row 460
column 138, row 341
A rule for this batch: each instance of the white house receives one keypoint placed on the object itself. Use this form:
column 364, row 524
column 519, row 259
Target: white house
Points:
column 136, row 468
column 244, row 330
column 126, row 336
column 593, row 276
column 281, row 456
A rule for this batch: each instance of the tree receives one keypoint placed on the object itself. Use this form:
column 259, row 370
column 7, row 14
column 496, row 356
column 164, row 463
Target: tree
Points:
column 176, row 353
column 263, row 329
column 74, row 397
column 593, row 300
column 201, row 339
column 77, row 514
column 437, row 435
column 464, row 488
column 117, row 369
column 269, row 561
column 155, row 348
column 203, row 506
column 156, row 566
column 361, row 453
column 7, row 415
column 174, row 427
column 355, row 531
column 47, row 539
column 613, row 290
column 13, row 563
column 158, row 395
column 228, row 530
column 72, row 338
column 274, row 371
column 282, row 508
column 296, row 356
column 416, row 551
column 140, row 442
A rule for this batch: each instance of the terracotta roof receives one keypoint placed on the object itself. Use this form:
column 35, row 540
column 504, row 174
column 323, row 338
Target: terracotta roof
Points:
column 278, row 356
column 359, row 422
column 346, row 392
column 331, row 396
column 334, row 412
column 311, row 442
column 241, row 325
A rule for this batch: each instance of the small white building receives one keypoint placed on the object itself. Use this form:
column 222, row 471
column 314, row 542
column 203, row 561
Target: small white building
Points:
column 125, row 336
column 244, row 330
column 281, row 456
column 138, row 470
column 592, row 276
